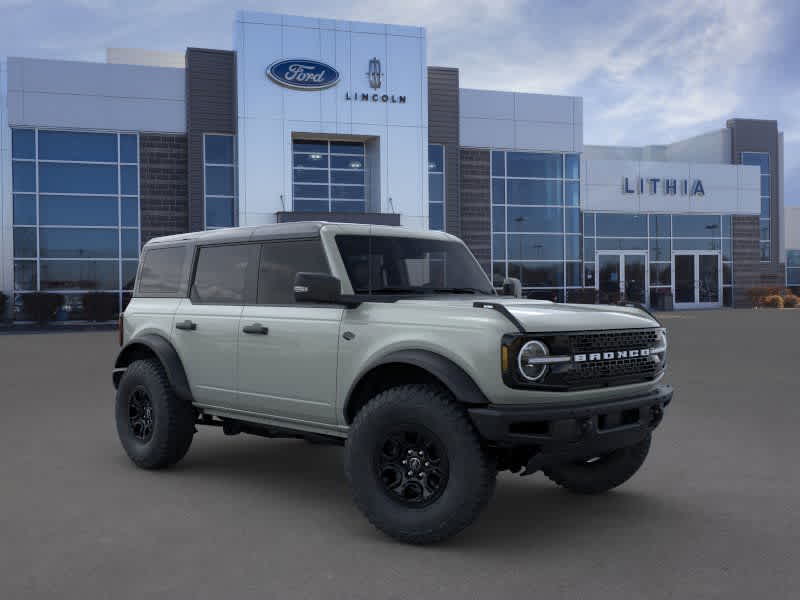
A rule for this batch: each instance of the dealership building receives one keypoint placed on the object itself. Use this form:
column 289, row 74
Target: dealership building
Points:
column 317, row 119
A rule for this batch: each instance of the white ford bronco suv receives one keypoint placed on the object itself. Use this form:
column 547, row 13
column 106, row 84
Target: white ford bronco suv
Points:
column 395, row 344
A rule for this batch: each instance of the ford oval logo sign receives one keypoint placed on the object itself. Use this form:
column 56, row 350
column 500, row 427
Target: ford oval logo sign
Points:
column 303, row 74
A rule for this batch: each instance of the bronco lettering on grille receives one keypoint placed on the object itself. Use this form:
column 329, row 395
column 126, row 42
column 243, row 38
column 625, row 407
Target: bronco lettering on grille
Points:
column 595, row 356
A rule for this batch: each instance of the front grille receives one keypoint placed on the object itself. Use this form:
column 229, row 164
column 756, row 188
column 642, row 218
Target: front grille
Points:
column 619, row 370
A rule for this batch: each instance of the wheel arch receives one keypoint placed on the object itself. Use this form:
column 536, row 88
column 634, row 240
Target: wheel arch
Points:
column 411, row 366
column 151, row 345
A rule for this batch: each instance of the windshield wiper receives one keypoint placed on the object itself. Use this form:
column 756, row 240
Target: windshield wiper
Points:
column 395, row 290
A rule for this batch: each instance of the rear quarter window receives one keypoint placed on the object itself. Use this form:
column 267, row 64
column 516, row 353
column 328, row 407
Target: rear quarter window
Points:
column 163, row 272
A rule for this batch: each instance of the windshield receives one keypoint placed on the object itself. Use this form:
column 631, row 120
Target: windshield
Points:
column 399, row 265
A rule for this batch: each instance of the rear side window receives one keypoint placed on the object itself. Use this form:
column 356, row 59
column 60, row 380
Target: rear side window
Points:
column 163, row 272
column 221, row 274
column 281, row 261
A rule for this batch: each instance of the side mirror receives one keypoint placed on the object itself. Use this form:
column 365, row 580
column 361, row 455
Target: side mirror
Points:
column 317, row 287
column 512, row 287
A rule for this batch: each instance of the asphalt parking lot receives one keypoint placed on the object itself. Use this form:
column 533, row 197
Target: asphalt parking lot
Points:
column 715, row 512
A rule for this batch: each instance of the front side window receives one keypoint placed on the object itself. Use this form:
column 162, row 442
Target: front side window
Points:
column 328, row 176
column 221, row 274
column 398, row 265
column 281, row 262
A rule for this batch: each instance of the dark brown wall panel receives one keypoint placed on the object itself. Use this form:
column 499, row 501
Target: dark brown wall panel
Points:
column 163, row 190
column 476, row 216
column 443, row 129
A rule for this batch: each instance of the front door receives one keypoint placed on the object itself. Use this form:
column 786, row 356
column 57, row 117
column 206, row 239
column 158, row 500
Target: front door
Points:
column 622, row 276
column 697, row 279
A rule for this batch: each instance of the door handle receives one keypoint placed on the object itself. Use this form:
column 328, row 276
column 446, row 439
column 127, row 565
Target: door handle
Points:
column 256, row 328
column 187, row 325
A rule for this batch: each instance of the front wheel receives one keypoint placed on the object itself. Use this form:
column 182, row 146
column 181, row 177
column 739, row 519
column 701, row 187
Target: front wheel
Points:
column 601, row 473
column 416, row 466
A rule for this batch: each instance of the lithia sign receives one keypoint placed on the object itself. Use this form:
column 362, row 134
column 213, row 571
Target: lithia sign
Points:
column 667, row 186
column 306, row 74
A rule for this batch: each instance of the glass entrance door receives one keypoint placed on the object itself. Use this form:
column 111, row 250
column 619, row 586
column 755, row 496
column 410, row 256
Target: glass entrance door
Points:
column 697, row 279
column 622, row 276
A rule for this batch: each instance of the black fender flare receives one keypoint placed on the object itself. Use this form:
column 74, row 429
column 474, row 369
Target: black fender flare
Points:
column 453, row 377
column 166, row 354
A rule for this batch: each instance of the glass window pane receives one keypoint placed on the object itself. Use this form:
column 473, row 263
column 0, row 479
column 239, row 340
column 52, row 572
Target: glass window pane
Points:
column 347, row 148
column 77, row 145
column 347, row 192
column 793, row 277
column 498, row 191
column 25, row 242
column 573, row 166
column 130, row 243
column 310, row 146
column 311, row 205
column 436, row 187
column 765, row 185
column 24, row 209
column 280, row 263
column 23, row 143
column 727, row 273
column 537, row 219
column 695, row 244
column 220, row 274
column 588, row 249
column 573, row 274
column 522, row 191
column 358, row 177
column 759, row 159
column 661, row 274
column 531, row 164
column 163, row 270
column 130, row 212
column 435, row 158
column 793, row 258
column 314, row 161
column 660, row 226
column 623, row 225
column 588, row 274
column 25, row 275
column 129, row 273
column 311, row 175
column 129, row 180
column 310, row 191
column 763, row 228
column 621, row 243
column 727, row 297
column 727, row 226
column 499, row 247
column 727, row 249
column 77, row 210
column 588, row 224
column 765, row 208
column 128, row 148
column 498, row 163
column 219, row 181
column 498, row 218
column 219, row 212
column 572, row 189
column 77, row 179
column 572, row 245
column 544, row 274
column 343, row 162
column 436, row 216
column 219, row 149
column 79, row 275
column 765, row 251
column 348, row 206
column 572, row 220
column 498, row 273
column 78, row 243
column 23, row 176
column 660, row 249
column 535, row 247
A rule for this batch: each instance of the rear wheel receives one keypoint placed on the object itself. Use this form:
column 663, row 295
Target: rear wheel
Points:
column 601, row 473
column 154, row 426
column 416, row 466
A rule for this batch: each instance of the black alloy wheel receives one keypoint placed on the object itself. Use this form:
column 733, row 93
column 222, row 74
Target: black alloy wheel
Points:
column 140, row 414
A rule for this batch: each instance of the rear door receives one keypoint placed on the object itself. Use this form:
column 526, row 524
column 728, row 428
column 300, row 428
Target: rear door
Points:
column 287, row 351
column 206, row 324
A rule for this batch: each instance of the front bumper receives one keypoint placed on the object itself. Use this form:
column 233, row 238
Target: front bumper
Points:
column 560, row 433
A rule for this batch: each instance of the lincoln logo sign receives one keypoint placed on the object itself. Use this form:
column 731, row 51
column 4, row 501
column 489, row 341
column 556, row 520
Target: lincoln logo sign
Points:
column 302, row 74
column 667, row 186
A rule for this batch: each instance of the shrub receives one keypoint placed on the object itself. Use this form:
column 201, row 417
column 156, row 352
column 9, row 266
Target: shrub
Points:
column 98, row 306
column 41, row 306
column 773, row 301
column 790, row 301
column 758, row 295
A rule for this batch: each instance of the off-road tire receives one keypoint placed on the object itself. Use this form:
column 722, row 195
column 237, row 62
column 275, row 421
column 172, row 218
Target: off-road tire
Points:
column 605, row 473
column 471, row 471
column 172, row 418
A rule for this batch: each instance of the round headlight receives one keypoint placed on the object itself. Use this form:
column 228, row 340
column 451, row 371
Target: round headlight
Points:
column 529, row 367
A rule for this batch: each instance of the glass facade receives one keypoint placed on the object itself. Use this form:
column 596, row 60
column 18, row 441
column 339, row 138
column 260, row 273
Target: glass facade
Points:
column 761, row 160
column 328, row 176
column 658, row 235
column 793, row 268
column 219, row 168
column 76, row 215
column 436, row 186
column 536, row 221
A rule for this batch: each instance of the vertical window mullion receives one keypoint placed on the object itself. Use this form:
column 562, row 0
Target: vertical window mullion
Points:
column 36, row 188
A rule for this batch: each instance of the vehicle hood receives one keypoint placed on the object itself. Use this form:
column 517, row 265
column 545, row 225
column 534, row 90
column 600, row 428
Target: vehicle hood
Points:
column 544, row 316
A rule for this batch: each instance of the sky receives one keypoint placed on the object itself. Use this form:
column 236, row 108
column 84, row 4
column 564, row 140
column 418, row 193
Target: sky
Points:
column 649, row 72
